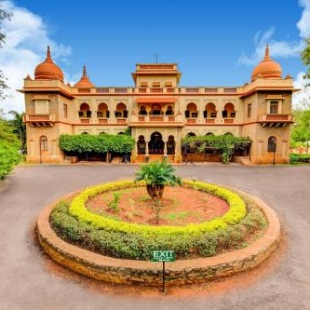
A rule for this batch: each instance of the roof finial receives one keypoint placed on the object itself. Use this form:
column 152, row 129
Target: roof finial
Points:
column 48, row 55
column 84, row 71
column 267, row 56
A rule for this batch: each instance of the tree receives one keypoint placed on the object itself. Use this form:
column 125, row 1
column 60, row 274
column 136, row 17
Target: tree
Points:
column 3, row 15
column 301, row 131
column 305, row 56
column 157, row 175
column 9, row 148
column 19, row 128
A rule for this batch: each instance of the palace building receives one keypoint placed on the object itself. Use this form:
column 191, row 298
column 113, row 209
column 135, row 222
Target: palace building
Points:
column 160, row 112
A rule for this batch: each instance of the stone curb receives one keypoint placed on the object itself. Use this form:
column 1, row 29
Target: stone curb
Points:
column 179, row 272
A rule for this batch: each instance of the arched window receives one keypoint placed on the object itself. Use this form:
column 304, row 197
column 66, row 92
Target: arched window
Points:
column 121, row 110
column 156, row 109
column 169, row 110
column 43, row 143
column 209, row 134
column 103, row 111
column 102, row 133
column 191, row 134
column 84, row 110
column 170, row 145
column 228, row 134
column 121, row 133
column 191, row 110
column 209, row 110
column 229, row 110
column 142, row 110
column 272, row 144
column 141, row 144
column 84, row 133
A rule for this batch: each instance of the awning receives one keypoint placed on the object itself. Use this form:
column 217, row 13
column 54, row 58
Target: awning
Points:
column 155, row 99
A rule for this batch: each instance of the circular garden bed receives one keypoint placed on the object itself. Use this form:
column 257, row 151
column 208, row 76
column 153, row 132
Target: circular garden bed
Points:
column 114, row 223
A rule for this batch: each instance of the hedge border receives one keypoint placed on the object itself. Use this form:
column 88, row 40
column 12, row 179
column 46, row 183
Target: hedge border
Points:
column 148, row 273
column 234, row 215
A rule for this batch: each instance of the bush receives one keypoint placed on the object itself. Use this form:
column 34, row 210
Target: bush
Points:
column 299, row 158
column 235, row 214
column 129, row 245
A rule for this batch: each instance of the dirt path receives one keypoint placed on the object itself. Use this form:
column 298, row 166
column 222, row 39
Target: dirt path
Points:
column 29, row 280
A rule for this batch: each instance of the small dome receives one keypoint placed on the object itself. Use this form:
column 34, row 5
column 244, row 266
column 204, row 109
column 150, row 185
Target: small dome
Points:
column 84, row 82
column 267, row 68
column 47, row 70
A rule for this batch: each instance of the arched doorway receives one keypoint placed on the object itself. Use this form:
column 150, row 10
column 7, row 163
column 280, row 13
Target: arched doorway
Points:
column 170, row 145
column 141, row 145
column 156, row 144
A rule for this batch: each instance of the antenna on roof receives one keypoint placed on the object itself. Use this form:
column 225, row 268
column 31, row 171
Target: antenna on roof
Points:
column 156, row 57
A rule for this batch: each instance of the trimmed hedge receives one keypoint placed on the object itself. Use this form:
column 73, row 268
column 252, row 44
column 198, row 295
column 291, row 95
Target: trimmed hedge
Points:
column 135, row 246
column 299, row 158
column 235, row 214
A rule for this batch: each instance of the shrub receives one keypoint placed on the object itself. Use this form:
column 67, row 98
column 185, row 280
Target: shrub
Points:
column 135, row 246
column 236, row 212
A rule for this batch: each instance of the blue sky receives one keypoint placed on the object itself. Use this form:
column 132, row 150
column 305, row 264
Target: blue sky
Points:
column 215, row 43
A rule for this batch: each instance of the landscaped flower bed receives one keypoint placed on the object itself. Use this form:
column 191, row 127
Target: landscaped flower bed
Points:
column 242, row 224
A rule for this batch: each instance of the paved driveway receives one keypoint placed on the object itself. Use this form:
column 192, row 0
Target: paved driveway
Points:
column 27, row 282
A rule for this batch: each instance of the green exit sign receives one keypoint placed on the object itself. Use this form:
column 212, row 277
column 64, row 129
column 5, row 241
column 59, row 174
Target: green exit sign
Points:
column 163, row 256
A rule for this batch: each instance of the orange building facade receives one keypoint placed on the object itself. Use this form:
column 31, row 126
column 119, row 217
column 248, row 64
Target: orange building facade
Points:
column 159, row 112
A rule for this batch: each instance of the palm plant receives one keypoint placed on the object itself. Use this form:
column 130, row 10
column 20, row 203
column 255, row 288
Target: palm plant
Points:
column 19, row 127
column 157, row 175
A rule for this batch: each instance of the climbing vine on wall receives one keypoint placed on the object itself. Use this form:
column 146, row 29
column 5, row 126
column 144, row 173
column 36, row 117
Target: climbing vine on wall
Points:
column 227, row 144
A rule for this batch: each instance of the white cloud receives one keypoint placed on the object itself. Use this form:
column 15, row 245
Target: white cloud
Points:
column 27, row 38
column 304, row 23
column 278, row 49
column 301, row 98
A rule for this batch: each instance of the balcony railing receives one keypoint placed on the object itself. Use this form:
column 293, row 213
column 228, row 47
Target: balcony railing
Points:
column 276, row 117
column 40, row 119
column 275, row 120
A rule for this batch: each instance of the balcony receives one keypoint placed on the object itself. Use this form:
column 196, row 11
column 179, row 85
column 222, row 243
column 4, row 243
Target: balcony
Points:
column 275, row 120
column 156, row 120
column 40, row 120
column 229, row 120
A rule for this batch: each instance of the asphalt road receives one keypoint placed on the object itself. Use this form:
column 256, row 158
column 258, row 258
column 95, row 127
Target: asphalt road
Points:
column 29, row 280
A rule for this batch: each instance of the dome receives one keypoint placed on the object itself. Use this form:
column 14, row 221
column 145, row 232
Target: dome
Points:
column 267, row 68
column 84, row 82
column 47, row 70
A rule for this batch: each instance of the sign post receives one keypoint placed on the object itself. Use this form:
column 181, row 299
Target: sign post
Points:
column 163, row 256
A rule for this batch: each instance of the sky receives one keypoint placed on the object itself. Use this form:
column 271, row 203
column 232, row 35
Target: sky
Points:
column 215, row 43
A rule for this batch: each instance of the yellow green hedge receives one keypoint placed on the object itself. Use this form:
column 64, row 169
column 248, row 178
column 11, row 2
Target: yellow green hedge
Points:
column 235, row 214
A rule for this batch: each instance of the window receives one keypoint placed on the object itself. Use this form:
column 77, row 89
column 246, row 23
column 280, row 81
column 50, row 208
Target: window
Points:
column 209, row 110
column 84, row 110
column 191, row 110
column 65, row 110
column 143, row 84
column 142, row 111
column 103, row 111
column 229, row 110
column 156, row 84
column 249, row 110
column 169, row 110
column 272, row 144
column 43, row 143
column 274, row 107
column 41, row 107
column 121, row 111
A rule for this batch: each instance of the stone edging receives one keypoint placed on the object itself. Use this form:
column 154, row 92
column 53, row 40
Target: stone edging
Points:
column 180, row 272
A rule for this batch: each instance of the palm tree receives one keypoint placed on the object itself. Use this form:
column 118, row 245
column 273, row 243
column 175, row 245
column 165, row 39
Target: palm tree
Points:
column 19, row 127
column 157, row 175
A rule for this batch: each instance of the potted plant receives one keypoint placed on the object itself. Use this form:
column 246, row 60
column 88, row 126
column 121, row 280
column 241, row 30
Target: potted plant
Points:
column 157, row 175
